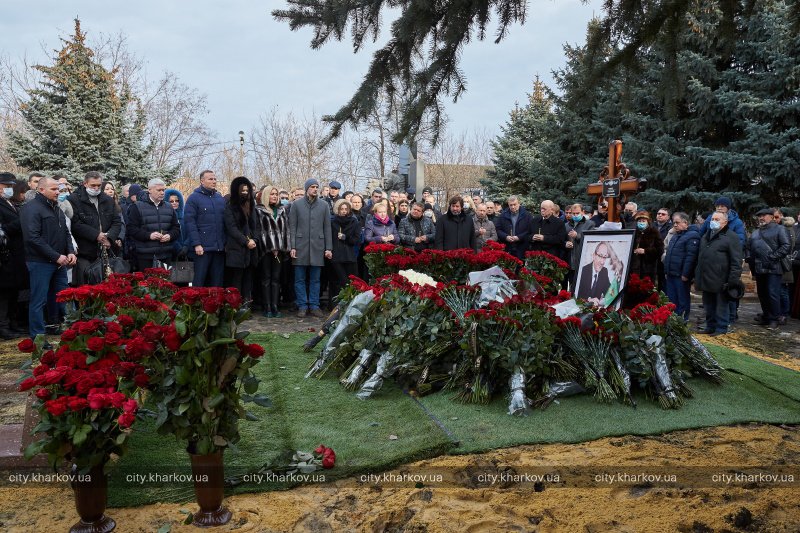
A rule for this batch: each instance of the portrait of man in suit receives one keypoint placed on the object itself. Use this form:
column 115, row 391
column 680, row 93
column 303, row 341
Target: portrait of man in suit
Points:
column 594, row 279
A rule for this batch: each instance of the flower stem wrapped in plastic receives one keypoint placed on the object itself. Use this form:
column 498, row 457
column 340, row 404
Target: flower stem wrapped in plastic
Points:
column 350, row 381
column 518, row 403
column 383, row 370
column 350, row 320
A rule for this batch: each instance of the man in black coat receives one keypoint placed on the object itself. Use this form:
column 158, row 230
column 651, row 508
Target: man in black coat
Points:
column 13, row 273
column 767, row 246
column 454, row 229
column 719, row 267
column 95, row 222
column 594, row 280
column 48, row 253
column 549, row 234
column 153, row 226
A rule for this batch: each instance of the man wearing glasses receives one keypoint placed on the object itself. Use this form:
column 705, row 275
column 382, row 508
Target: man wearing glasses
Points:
column 594, row 281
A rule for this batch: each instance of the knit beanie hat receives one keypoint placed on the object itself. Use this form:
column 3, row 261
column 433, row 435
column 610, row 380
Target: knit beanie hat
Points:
column 723, row 200
column 309, row 182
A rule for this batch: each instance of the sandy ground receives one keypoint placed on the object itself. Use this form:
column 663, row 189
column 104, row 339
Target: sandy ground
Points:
column 743, row 505
column 569, row 503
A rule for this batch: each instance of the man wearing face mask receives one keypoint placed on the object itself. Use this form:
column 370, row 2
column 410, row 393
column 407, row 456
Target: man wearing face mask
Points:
column 95, row 222
column 548, row 231
column 13, row 273
column 576, row 226
column 719, row 269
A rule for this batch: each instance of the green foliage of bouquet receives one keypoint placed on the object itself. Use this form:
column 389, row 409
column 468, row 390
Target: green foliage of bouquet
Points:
column 202, row 370
column 84, row 393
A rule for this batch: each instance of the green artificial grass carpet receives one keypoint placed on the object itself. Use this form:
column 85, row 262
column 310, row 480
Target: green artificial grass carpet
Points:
column 307, row 412
column 775, row 377
column 579, row 418
column 304, row 414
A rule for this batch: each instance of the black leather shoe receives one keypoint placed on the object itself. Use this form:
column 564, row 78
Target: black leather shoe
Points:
column 7, row 334
column 53, row 330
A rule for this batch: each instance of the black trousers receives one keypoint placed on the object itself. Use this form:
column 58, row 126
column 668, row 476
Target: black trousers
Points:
column 341, row 277
column 242, row 279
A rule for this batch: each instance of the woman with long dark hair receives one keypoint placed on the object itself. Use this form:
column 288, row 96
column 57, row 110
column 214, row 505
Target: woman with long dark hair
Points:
column 345, row 235
column 243, row 229
column 275, row 239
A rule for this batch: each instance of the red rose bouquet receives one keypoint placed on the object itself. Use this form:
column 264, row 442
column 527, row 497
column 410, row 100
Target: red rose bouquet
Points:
column 200, row 368
column 84, row 393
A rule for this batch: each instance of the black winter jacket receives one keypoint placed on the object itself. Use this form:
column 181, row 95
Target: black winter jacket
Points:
column 144, row 217
column 454, row 232
column 344, row 250
column 766, row 247
column 719, row 260
column 554, row 233
column 239, row 229
column 44, row 231
column 13, row 272
column 87, row 220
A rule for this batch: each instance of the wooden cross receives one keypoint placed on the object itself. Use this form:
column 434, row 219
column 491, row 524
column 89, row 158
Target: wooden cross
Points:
column 615, row 181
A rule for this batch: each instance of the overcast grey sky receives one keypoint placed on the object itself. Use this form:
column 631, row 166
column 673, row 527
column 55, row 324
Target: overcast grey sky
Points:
column 246, row 62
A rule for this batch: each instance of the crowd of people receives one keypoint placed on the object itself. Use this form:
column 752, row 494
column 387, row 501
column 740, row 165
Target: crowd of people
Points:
column 286, row 249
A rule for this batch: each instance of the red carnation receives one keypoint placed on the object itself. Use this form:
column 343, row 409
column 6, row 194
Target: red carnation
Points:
column 69, row 335
column 26, row 346
column 125, row 321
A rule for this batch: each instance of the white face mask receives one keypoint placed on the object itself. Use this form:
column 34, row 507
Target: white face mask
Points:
column 93, row 192
column 8, row 192
column 428, row 213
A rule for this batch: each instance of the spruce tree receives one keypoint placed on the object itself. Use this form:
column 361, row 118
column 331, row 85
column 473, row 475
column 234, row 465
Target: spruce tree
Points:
column 77, row 120
column 523, row 161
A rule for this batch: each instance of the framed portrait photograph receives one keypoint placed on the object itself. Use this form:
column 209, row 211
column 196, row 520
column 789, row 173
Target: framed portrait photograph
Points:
column 604, row 266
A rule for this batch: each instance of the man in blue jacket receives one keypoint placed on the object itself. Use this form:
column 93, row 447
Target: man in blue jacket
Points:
column 514, row 228
column 204, row 218
column 680, row 262
column 48, row 252
column 723, row 205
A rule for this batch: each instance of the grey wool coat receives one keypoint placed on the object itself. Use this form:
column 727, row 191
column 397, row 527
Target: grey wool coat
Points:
column 310, row 231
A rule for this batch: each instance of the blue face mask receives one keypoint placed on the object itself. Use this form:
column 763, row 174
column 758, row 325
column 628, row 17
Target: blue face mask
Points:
column 63, row 196
column 713, row 225
column 284, row 201
column 8, row 192
column 641, row 225
column 577, row 218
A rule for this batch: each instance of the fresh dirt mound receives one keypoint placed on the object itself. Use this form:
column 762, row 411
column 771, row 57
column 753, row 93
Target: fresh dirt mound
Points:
column 347, row 505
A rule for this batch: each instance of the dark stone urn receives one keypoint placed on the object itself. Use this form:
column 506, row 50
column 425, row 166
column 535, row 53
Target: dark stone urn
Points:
column 91, row 494
column 208, row 475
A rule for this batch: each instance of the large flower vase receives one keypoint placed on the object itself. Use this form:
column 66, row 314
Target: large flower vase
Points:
column 208, row 475
column 91, row 492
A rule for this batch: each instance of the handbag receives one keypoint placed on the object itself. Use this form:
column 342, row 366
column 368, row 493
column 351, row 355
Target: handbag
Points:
column 106, row 264
column 182, row 271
